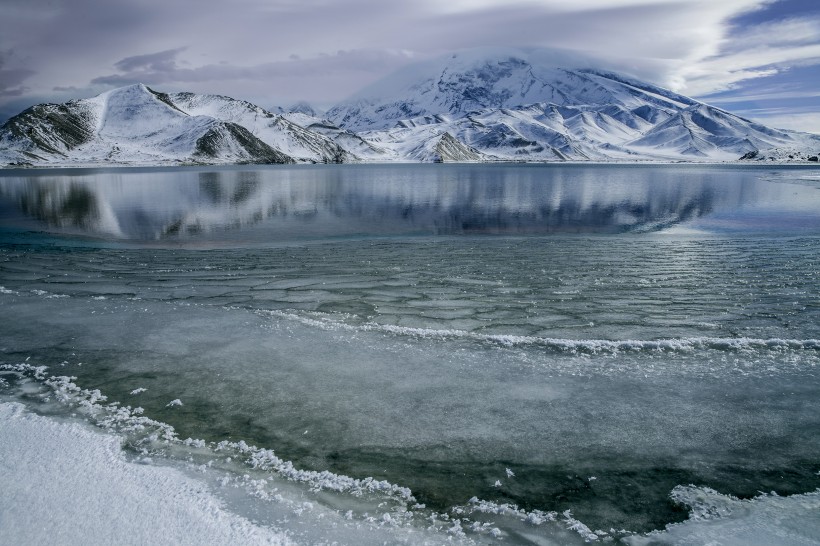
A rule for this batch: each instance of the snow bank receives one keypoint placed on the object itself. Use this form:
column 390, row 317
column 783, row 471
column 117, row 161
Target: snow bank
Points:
column 67, row 483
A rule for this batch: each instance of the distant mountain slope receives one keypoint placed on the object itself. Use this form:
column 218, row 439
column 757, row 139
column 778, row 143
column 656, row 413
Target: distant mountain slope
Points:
column 444, row 148
column 349, row 141
column 517, row 104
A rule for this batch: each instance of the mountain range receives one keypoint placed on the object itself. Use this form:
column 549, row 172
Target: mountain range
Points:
column 498, row 105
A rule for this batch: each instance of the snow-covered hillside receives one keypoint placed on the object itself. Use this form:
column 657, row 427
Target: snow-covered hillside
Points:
column 132, row 125
column 518, row 104
column 138, row 125
column 274, row 130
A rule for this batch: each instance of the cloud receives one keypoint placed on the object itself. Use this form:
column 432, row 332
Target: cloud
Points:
column 68, row 89
column 754, row 52
column 167, row 70
column 787, row 118
column 11, row 79
column 765, row 95
column 324, row 50
column 693, row 47
column 337, row 71
column 163, row 61
column 253, row 32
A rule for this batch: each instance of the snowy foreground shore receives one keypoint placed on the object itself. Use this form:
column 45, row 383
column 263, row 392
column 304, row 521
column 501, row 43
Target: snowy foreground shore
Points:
column 66, row 483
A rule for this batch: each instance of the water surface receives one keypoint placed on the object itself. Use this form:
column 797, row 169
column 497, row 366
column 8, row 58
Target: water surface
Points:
column 606, row 333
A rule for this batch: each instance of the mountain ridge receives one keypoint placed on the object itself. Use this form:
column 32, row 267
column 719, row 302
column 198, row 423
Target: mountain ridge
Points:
column 505, row 105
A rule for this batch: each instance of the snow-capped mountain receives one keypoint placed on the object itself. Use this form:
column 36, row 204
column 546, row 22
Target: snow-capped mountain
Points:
column 518, row 104
column 480, row 105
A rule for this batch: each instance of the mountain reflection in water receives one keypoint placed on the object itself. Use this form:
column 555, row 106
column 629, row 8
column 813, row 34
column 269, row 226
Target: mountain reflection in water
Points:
column 271, row 204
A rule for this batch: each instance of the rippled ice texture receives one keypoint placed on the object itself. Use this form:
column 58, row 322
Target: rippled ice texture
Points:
column 603, row 370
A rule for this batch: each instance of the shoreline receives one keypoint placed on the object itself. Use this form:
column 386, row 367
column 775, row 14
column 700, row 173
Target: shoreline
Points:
column 596, row 163
column 71, row 482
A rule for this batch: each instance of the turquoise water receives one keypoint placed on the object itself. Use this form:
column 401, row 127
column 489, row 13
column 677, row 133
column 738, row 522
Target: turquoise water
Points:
column 605, row 333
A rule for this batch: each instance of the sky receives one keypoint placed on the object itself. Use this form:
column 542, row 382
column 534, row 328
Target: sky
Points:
column 756, row 58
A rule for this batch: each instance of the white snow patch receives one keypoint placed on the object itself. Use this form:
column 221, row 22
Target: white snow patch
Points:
column 68, row 483
column 729, row 521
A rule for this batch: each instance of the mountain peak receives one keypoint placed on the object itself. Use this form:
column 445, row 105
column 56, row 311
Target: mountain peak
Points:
column 541, row 104
column 136, row 111
column 474, row 80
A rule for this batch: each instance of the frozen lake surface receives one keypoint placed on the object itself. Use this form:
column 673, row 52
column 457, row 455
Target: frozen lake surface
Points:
column 519, row 353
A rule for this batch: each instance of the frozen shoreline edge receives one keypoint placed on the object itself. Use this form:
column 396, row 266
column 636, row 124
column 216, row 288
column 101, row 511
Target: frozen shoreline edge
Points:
column 74, row 481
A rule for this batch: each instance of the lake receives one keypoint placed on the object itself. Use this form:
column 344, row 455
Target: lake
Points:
column 528, row 353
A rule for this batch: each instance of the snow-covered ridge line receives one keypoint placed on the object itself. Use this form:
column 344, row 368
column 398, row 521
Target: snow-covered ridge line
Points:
column 502, row 105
